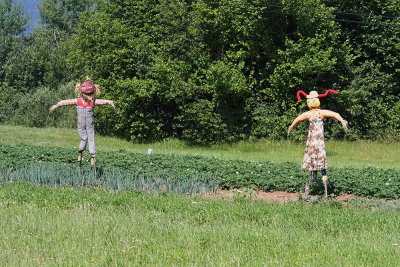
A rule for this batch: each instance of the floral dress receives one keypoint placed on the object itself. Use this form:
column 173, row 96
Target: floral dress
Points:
column 315, row 154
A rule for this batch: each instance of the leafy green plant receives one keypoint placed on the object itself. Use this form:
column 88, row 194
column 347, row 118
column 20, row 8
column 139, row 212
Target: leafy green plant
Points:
column 228, row 174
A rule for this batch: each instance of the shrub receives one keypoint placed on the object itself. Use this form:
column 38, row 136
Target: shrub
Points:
column 33, row 109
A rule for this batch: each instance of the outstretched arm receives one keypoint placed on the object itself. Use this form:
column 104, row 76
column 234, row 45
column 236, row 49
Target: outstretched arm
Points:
column 68, row 102
column 336, row 116
column 300, row 118
column 100, row 102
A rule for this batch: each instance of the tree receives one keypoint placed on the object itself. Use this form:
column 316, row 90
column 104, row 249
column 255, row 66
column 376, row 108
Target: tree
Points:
column 12, row 25
column 372, row 94
column 62, row 15
column 223, row 70
column 178, row 49
column 38, row 60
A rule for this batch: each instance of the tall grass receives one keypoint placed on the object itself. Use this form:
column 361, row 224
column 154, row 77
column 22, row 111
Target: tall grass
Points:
column 340, row 153
column 42, row 226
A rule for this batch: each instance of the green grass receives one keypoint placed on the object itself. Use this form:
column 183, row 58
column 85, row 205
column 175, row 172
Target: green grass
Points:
column 340, row 153
column 97, row 227
column 44, row 226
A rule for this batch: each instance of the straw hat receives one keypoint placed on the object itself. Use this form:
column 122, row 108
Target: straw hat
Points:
column 87, row 87
column 314, row 94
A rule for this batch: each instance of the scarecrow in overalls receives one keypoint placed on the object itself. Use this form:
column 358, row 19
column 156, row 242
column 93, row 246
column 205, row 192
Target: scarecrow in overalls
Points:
column 315, row 154
column 85, row 103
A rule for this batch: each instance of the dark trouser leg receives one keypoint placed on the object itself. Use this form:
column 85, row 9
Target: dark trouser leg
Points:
column 314, row 175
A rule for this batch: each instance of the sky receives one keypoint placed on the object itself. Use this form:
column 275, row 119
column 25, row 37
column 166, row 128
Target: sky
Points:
column 30, row 8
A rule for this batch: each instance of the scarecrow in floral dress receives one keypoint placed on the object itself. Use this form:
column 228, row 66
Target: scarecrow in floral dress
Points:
column 85, row 103
column 315, row 154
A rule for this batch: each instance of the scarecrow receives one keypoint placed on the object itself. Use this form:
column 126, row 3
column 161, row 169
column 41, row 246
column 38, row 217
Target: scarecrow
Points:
column 85, row 103
column 315, row 154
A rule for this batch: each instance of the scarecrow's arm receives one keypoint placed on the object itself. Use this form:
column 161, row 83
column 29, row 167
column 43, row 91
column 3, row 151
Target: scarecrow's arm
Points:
column 68, row 102
column 299, row 119
column 336, row 116
column 100, row 102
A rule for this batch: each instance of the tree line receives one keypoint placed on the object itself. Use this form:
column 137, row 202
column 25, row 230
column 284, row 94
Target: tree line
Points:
column 205, row 71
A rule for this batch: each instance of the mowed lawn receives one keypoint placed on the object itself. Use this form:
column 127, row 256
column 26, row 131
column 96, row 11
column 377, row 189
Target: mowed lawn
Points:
column 340, row 153
column 80, row 227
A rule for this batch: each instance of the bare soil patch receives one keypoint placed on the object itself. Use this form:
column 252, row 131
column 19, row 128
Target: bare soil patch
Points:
column 278, row 196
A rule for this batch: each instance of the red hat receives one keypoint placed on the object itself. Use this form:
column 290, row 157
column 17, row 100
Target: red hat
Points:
column 87, row 87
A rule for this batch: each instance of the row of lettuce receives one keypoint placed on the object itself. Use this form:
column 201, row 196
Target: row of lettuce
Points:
column 122, row 170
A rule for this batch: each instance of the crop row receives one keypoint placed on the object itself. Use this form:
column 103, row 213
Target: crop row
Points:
column 267, row 176
column 69, row 176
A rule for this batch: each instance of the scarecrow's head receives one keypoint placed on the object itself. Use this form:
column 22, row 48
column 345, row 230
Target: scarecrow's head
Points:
column 87, row 90
column 313, row 97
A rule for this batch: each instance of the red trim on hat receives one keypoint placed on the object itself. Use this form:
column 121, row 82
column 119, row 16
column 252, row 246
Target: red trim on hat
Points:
column 327, row 92
column 298, row 95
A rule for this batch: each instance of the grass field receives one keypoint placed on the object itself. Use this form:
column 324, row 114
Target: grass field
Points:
column 340, row 153
column 43, row 226
column 78, row 227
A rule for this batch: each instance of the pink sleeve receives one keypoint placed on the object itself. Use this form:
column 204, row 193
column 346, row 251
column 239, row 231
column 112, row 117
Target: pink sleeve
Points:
column 68, row 102
column 100, row 102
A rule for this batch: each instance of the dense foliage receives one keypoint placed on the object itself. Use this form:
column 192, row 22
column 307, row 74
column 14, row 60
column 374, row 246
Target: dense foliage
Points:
column 121, row 170
column 211, row 71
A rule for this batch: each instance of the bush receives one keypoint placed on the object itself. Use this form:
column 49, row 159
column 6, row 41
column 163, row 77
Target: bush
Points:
column 9, row 101
column 33, row 109
column 200, row 124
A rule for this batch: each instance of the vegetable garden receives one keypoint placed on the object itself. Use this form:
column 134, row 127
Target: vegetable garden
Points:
column 122, row 170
